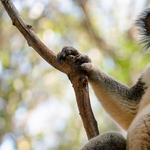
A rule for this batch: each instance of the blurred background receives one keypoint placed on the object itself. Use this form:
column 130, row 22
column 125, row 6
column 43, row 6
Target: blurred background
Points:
column 38, row 110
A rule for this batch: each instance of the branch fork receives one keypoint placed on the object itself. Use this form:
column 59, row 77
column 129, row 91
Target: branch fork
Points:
column 79, row 81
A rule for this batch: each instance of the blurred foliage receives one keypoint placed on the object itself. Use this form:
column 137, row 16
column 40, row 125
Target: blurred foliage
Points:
column 37, row 103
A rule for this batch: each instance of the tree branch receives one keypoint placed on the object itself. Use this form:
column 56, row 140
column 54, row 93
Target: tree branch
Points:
column 80, row 82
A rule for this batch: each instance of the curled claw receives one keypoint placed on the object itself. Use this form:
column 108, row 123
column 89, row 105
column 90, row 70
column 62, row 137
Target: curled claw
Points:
column 61, row 56
column 60, row 60
column 63, row 53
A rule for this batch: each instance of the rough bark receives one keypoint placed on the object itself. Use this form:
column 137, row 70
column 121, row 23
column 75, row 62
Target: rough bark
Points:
column 79, row 81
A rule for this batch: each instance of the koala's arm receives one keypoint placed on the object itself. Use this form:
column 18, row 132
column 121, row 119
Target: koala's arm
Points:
column 128, row 106
column 120, row 101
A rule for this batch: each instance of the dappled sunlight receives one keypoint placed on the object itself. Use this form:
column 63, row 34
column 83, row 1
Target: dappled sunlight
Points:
column 37, row 10
column 95, row 55
column 49, row 36
column 8, row 142
column 48, row 116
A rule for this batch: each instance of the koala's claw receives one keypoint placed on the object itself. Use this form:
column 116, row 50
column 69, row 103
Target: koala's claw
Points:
column 61, row 56
column 59, row 59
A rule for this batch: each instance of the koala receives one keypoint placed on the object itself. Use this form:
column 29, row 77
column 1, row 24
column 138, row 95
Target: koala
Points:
column 129, row 107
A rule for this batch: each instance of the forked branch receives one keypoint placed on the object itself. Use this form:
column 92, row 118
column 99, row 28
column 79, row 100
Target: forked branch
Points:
column 80, row 82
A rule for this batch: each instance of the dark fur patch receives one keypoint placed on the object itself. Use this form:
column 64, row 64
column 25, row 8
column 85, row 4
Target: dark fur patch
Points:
column 137, row 91
column 143, row 22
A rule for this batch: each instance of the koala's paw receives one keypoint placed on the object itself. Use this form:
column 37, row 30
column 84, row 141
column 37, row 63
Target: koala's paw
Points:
column 106, row 141
column 80, row 61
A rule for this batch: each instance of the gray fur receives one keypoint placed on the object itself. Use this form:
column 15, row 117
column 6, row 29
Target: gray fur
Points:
column 144, row 28
column 132, row 94
column 106, row 141
column 137, row 91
